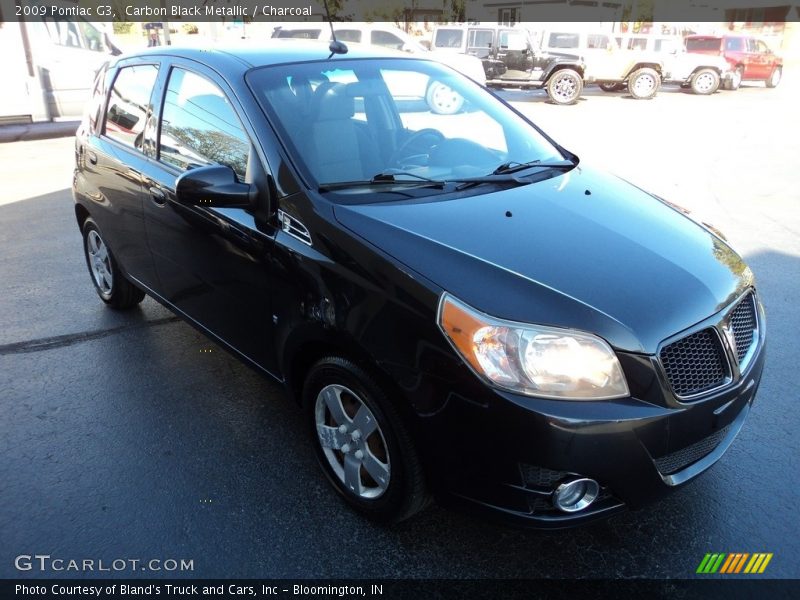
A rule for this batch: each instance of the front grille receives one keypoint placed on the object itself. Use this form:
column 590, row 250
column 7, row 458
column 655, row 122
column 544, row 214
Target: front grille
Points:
column 694, row 364
column 743, row 325
column 672, row 463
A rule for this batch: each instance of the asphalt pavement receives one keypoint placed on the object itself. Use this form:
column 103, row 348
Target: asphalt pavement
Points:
column 123, row 437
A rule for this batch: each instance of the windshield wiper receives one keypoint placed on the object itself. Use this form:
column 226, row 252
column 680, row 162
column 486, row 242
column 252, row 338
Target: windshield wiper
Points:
column 385, row 178
column 514, row 167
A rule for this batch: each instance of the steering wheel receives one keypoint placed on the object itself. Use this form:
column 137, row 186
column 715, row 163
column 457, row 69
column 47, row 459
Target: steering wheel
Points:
column 419, row 142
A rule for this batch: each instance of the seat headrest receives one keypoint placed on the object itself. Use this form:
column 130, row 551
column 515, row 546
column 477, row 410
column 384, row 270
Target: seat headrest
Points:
column 333, row 102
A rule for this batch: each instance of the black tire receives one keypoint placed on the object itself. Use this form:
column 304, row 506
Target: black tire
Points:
column 734, row 82
column 644, row 83
column 565, row 86
column 775, row 77
column 405, row 492
column 705, row 82
column 119, row 292
column 612, row 87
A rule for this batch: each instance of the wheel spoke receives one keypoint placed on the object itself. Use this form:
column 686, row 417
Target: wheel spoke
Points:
column 329, row 437
column 352, row 474
column 333, row 401
column 364, row 421
column 377, row 470
column 102, row 252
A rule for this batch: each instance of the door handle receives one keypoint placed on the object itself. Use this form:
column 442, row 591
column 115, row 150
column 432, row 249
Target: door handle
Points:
column 158, row 196
column 92, row 157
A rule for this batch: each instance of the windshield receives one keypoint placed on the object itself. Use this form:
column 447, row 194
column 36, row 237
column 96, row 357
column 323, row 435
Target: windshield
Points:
column 392, row 119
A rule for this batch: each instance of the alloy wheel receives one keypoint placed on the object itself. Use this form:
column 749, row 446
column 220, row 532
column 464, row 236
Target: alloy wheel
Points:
column 100, row 263
column 352, row 441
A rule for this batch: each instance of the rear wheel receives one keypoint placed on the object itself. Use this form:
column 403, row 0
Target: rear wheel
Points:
column 612, row 87
column 109, row 282
column 705, row 82
column 361, row 442
column 775, row 77
column 565, row 86
column 643, row 83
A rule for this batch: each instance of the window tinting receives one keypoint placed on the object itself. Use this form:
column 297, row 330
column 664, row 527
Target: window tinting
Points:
column 480, row 38
column 305, row 34
column 127, row 105
column 448, row 38
column 705, row 44
column 199, row 126
column 563, row 40
column 597, row 41
column 387, row 40
column 348, row 35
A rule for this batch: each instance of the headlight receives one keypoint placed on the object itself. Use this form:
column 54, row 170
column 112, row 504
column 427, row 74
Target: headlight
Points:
column 535, row 360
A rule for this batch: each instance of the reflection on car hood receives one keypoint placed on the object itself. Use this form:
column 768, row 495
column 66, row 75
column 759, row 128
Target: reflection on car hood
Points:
column 583, row 250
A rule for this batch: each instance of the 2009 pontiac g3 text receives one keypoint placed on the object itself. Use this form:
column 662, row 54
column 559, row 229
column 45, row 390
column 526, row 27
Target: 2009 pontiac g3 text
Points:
column 48, row 563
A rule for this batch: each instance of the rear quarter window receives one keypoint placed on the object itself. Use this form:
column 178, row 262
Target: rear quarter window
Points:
column 563, row 40
column 702, row 44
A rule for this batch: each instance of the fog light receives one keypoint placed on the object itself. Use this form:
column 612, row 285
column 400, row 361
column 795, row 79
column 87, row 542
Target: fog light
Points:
column 575, row 495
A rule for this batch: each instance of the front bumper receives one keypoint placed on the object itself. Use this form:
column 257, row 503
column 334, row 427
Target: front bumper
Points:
column 506, row 455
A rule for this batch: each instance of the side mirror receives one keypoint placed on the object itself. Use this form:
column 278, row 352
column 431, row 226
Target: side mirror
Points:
column 214, row 186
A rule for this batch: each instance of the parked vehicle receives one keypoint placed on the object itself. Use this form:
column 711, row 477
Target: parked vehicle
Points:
column 750, row 58
column 48, row 70
column 511, row 59
column 701, row 73
column 439, row 97
column 460, row 306
column 639, row 73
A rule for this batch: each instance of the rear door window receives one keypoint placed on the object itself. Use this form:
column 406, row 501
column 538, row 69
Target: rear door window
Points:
column 199, row 126
column 597, row 41
column 128, row 104
column 348, row 35
column 563, row 40
column 448, row 38
column 731, row 45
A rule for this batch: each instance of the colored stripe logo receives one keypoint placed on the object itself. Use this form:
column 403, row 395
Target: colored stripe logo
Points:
column 735, row 562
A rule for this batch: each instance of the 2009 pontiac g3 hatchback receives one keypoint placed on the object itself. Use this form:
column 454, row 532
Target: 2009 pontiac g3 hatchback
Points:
column 461, row 308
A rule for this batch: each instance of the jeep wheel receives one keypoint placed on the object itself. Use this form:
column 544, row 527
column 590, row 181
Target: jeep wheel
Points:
column 442, row 100
column 735, row 80
column 643, row 83
column 775, row 77
column 705, row 82
column 565, row 86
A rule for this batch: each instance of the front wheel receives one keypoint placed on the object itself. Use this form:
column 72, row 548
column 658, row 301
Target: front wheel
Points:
column 361, row 442
column 565, row 86
column 775, row 77
column 111, row 285
column 705, row 82
column 442, row 99
column 643, row 83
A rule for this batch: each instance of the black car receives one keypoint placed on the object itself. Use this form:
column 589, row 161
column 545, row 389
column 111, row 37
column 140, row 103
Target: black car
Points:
column 511, row 59
column 461, row 308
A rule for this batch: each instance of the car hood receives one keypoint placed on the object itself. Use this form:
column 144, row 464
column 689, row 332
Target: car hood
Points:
column 583, row 249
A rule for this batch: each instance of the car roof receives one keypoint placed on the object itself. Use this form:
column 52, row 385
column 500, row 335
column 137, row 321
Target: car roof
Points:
column 266, row 52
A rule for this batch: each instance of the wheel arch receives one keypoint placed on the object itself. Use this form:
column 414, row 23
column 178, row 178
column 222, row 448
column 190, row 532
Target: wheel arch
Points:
column 646, row 65
column 561, row 67
column 81, row 214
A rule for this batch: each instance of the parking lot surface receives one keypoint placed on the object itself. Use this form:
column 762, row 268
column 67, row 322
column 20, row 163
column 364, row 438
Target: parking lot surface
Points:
column 123, row 436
